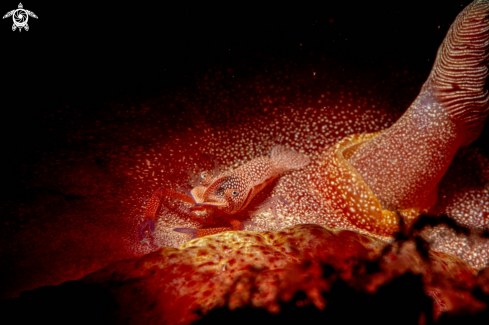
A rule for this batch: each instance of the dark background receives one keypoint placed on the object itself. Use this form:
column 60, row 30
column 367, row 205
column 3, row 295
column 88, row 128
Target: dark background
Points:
column 80, row 53
column 84, row 52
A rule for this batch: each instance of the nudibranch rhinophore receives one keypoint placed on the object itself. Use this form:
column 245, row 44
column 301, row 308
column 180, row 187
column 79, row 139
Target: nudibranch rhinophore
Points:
column 372, row 180
column 403, row 165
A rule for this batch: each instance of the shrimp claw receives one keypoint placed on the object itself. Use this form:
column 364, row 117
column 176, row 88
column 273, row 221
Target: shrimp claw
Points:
column 153, row 205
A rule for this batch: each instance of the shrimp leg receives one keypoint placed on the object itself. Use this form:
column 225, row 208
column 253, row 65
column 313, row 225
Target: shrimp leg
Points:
column 271, row 203
column 197, row 233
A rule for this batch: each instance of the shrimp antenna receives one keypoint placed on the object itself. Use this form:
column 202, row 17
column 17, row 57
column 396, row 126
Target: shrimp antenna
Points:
column 216, row 164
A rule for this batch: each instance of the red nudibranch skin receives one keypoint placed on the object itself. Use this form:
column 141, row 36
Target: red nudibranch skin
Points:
column 404, row 164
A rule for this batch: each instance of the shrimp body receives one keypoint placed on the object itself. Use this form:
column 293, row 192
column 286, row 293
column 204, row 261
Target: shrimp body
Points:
column 232, row 191
column 229, row 192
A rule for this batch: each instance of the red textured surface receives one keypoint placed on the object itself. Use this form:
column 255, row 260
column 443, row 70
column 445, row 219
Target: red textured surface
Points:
column 239, row 269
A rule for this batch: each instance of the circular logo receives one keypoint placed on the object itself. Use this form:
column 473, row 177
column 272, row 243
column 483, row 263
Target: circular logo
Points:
column 20, row 17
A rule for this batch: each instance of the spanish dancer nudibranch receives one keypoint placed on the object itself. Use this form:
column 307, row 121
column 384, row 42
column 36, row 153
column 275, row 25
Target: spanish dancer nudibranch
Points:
column 364, row 182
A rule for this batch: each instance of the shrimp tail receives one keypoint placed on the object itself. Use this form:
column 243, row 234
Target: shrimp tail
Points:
column 287, row 159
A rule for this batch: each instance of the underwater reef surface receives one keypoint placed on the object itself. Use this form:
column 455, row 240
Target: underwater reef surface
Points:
column 306, row 272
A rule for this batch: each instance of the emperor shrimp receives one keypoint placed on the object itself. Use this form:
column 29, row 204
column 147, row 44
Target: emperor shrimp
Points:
column 229, row 192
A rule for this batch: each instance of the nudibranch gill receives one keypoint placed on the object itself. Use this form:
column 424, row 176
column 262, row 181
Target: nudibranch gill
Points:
column 362, row 176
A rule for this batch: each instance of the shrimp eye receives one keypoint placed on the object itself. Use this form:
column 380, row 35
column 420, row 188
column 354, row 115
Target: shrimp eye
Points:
column 203, row 175
column 235, row 193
